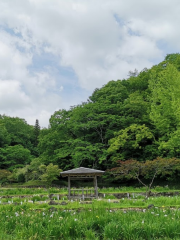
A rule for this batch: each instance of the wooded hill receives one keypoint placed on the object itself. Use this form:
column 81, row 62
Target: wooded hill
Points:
column 137, row 118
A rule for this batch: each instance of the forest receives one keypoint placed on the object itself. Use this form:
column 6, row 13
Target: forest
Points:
column 130, row 119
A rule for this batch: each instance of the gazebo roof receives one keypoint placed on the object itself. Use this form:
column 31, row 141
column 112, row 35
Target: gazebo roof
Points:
column 82, row 172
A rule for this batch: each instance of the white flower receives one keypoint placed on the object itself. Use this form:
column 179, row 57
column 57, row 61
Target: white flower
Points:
column 75, row 219
column 152, row 212
column 17, row 214
column 43, row 214
column 165, row 215
column 142, row 221
column 51, row 215
column 144, row 210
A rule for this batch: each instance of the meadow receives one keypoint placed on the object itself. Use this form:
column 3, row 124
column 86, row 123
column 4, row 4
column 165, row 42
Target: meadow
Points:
column 63, row 190
column 30, row 216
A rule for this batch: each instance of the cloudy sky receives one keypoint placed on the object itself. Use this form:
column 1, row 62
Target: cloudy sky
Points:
column 54, row 53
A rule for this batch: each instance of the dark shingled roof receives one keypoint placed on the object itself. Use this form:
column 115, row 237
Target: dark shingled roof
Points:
column 82, row 172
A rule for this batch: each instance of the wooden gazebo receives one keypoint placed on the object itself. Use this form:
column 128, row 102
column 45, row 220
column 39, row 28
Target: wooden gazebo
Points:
column 82, row 173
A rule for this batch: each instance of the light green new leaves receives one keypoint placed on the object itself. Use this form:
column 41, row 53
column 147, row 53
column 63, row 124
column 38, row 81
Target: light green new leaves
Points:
column 130, row 138
column 165, row 100
column 51, row 174
column 165, row 107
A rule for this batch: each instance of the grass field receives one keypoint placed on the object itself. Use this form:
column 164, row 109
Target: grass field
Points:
column 26, row 214
column 27, row 222
column 40, row 190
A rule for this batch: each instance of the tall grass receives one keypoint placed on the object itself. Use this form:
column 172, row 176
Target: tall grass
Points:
column 101, row 219
column 31, row 191
column 106, row 203
column 22, row 222
column 26, row 191
column 134, row 189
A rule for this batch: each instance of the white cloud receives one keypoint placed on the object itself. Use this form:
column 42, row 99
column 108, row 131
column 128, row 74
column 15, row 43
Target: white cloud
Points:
column 100, row 40
column 22, row 93
column 11, row 95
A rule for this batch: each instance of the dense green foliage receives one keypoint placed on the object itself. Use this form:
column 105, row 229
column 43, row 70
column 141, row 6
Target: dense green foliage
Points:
column 16, row 142
column 137, row 118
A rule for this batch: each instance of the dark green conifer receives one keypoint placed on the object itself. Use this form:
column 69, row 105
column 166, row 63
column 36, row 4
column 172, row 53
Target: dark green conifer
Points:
column 36, row 132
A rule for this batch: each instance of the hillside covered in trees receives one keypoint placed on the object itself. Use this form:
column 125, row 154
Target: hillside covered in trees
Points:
column 137, row 118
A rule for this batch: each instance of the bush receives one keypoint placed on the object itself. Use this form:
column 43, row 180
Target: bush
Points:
column 21, row 178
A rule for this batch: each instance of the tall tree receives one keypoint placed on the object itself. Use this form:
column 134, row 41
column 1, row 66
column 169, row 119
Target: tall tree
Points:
column 131, row 143
column 165, row 108
column 18, row 131
column 36, row 132
column 14, row 156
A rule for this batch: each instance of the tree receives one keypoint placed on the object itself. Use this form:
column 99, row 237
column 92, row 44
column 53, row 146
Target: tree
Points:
column 133, row 169
column 133, row 73
column 17, row 131
column 4, row 174
column 32, row 171
column 4, row 136
column 165, row 108
column 51, row 174
column 174, row 59
column 88, row 154
column 52, row 142
column 142, row 112
column 165, row 100
column 130, row 142
column 14, row 156
column 36, row 132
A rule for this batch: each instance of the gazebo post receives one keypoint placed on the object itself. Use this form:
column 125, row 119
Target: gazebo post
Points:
column 69, row 187
column 95, row 186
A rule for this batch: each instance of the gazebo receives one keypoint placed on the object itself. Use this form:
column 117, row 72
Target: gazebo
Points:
column 82, row 173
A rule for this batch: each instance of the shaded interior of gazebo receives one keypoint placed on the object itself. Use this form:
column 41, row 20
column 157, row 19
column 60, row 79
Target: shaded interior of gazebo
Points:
column 79, row 174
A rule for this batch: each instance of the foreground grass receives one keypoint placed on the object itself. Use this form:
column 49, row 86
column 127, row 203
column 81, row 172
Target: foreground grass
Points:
column 32, row 218
column 23, row 222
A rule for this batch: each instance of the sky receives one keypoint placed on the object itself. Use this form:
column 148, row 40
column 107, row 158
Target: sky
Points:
column 54, row 53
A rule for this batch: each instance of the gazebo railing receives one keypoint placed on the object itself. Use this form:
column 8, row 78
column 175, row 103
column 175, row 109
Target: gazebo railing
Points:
column 82, row 193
